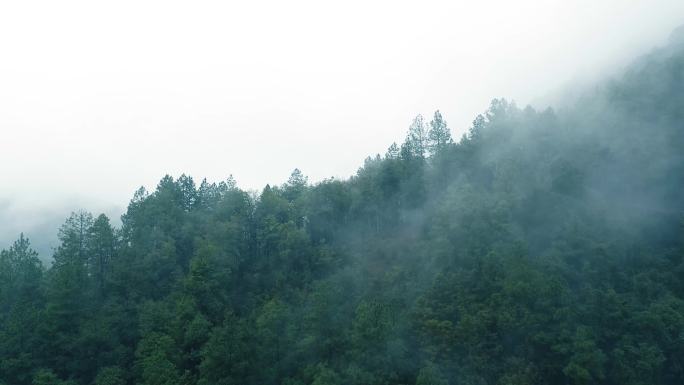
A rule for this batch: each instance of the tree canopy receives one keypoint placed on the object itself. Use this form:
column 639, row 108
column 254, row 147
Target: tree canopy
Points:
column 543, row 247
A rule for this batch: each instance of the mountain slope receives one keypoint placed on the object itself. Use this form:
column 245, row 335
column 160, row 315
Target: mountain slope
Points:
column 542, row 248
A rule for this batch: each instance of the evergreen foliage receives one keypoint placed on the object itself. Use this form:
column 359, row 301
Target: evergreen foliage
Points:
column 542, row 248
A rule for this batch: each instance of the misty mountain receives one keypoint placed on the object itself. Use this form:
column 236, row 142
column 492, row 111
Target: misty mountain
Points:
column 542, row 247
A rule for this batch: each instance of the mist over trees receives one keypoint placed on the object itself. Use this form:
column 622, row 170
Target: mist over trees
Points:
column 542, row 247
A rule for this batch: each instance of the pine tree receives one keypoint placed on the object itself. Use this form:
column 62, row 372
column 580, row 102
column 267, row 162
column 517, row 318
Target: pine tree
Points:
column 439, row 136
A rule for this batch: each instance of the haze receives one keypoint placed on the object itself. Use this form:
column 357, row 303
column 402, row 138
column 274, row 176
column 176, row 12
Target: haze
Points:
column 97, row 100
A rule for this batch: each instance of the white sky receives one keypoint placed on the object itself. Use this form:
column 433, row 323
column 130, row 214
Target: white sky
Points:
column 98, row 98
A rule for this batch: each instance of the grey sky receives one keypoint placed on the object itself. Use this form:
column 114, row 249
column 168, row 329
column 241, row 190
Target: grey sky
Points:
column 99, row 98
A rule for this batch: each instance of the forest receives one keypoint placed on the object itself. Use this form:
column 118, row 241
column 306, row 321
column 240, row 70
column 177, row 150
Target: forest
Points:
column 542, row 247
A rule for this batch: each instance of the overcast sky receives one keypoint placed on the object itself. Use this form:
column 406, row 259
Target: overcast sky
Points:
column 99, row 98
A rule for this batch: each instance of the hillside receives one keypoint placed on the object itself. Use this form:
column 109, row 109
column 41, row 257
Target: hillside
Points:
column 543, row 247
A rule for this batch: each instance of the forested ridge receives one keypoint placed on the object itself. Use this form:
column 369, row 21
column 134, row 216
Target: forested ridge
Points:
column 542, row 247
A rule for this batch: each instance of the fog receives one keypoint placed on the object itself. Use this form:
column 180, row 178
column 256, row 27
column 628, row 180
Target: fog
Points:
column 97, row 100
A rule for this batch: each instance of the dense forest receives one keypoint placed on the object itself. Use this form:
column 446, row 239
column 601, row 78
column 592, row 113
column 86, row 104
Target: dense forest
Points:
column 542, row 247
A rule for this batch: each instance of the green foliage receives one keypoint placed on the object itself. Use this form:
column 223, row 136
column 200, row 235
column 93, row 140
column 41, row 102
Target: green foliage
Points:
column 110, row 375
column 439, row 136
column 325, row 376
column 48, row 377
column 226, row 355
column 542, row 248
column 430, row 375
column 156, row 358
